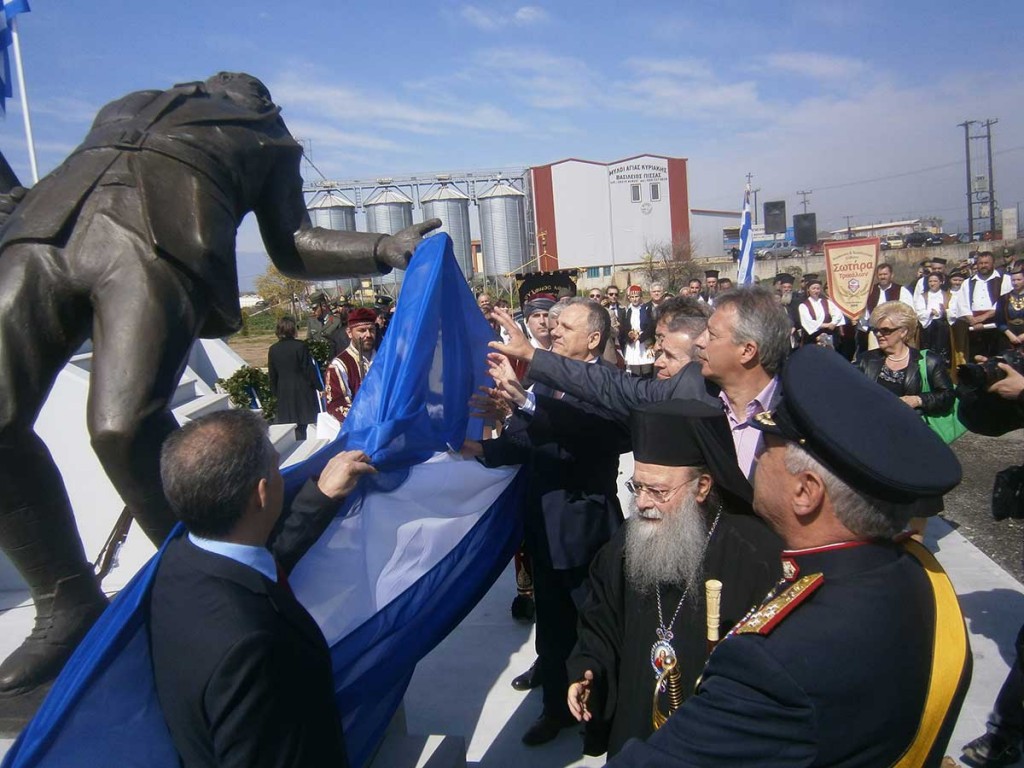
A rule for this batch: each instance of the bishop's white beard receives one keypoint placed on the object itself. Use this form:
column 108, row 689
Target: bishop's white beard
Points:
column 670, row 551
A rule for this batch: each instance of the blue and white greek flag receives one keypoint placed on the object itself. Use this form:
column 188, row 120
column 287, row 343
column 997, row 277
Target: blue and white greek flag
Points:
column 745, row 276
column 410, row 553
column 11, row 8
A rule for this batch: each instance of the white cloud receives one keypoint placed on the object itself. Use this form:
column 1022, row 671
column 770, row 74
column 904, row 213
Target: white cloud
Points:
column 541, row 80
column 684, row 67
column 818, row 66
column 490, row 19
column 530, row 14
column 479, row 18
column 349, row 105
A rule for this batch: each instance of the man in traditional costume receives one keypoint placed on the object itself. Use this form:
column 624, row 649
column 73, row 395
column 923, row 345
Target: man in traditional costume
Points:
column 347, row 370
column 977, row 304
column 636, row 335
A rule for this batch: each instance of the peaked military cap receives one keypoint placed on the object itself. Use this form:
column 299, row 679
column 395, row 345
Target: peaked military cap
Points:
column 866, row 435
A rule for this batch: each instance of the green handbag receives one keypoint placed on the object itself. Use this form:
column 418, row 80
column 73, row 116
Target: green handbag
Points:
column 947, row 427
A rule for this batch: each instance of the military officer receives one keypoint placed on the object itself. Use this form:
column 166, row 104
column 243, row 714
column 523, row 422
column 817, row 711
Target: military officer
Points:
column 845, row 663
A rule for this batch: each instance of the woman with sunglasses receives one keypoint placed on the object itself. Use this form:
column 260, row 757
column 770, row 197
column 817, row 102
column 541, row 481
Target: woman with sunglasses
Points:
column 896, row 366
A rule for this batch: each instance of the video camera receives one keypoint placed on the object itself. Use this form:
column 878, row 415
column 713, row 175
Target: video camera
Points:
column 983, row 375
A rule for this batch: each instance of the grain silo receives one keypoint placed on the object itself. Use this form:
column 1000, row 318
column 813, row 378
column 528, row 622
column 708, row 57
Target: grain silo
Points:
column 449, row 204
column 332, row 210
column 388, row 210
column 503, row 229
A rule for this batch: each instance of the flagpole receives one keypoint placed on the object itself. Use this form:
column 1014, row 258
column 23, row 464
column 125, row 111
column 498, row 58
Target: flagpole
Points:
column 24, row 101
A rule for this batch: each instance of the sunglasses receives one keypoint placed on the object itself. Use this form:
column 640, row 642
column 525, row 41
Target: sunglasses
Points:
column 883, row 331
column 595, row 295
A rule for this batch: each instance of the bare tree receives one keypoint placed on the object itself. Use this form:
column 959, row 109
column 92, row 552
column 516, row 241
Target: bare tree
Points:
column 275, row 288
column 669, row 263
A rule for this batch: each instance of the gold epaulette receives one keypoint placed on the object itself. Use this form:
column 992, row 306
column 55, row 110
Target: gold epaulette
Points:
column 767, row 617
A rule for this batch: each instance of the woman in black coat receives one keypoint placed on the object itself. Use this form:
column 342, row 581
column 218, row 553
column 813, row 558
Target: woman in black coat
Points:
column 896, row 366
column 293, row 379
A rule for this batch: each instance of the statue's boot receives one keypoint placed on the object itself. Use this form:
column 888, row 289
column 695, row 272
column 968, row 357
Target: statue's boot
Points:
column 42, row 542
column 63, row 618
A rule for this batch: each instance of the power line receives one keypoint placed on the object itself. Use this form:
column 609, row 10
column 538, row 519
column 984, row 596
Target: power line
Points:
column 904, row 174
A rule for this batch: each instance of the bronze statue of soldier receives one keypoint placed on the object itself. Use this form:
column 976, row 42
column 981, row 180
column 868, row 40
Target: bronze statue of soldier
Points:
column 132, row 240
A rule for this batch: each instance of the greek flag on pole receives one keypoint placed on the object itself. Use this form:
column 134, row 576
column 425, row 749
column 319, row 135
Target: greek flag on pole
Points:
column 745, row 276
column 410, row 553
column 11, row 9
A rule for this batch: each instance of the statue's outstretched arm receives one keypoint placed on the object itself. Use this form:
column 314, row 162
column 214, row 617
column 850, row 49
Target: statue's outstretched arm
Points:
column 301, row 250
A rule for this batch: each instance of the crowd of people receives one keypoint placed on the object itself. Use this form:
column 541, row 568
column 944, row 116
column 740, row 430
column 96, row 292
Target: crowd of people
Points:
column 627, row 632
column 746, row 475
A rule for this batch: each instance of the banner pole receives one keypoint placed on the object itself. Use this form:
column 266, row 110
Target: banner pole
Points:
column 24, row 101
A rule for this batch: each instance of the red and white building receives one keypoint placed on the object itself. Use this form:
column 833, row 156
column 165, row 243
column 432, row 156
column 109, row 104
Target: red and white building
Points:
column 602, row 216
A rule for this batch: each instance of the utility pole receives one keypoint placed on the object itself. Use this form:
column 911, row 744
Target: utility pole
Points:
column 991, row 182
column 804, row 196
column 849, row 232
column 966, row 125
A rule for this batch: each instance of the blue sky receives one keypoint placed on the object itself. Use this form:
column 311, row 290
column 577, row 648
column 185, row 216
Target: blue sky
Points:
column 805, row 95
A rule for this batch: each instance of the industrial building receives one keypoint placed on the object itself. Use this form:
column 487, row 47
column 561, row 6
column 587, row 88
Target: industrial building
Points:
column 594, row 216
column 884, row 229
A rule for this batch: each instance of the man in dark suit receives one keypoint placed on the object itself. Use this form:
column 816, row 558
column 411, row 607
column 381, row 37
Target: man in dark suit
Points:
column 242, row 671
column 618, row 314
column 572, row 505
column 739, row 356
column 132, row 240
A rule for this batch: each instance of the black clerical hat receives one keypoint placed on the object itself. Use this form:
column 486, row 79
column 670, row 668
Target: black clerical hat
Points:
column 711, row 273
column 864, row 434
column 784, row 278
column 688, row 433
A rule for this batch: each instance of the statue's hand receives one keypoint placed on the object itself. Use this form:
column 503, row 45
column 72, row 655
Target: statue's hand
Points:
column 396, row 250
column 9, row 202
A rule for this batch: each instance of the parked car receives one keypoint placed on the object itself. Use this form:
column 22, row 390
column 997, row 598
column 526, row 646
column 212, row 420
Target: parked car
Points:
column 781, row 249
column 936, row 238
column 895, row 241
column 917, row 239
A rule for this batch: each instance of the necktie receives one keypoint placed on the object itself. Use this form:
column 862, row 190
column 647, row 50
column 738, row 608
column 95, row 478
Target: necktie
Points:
column 282, row 579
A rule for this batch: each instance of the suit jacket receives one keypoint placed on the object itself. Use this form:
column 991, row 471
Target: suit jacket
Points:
column 572, row 456
column 243, row 673
column 647, row 324
column 199, row 163
column 613, row 393
column 619, row 318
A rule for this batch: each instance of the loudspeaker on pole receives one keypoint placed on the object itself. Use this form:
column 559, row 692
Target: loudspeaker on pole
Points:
column 805, row 228
column 775, row 217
